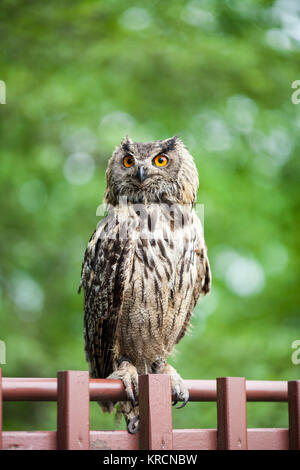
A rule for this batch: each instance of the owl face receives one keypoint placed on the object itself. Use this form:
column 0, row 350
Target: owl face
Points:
column 158, row 171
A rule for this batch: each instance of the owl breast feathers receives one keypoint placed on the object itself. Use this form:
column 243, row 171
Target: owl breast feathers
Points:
column 146, row 264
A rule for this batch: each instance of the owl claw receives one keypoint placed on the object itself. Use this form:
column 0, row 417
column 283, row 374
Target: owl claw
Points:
column 131, row 397
column 186, row 399
column 180, row 393
column 176, row 398
column 133, row 425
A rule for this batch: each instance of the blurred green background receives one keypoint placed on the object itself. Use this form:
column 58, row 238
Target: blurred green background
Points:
column 81, row 75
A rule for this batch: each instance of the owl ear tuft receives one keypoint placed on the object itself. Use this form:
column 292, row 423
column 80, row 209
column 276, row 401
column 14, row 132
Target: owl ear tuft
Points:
column 171, row 143
column 177, row 139
column 126, row 143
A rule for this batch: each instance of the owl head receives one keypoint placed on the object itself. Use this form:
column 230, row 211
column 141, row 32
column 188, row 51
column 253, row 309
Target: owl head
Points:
column 146, row 172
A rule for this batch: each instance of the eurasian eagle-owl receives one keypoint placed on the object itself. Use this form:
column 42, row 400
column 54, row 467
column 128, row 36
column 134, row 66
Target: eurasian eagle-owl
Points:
column 144, row 268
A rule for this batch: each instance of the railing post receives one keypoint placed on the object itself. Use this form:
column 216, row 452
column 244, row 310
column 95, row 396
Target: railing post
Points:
column 232, row 413
column 294, row 414
column 73, row 410
column 0, row 408
column 155, row 402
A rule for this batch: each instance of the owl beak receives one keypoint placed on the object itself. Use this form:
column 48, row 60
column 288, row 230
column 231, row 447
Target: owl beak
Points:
column 142, row 175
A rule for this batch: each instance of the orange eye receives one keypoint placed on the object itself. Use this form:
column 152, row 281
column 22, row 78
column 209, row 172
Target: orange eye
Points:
column 160, row 160
column 128, row 161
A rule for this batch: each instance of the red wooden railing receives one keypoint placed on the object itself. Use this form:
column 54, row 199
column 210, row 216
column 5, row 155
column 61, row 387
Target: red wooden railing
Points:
column 73, row 391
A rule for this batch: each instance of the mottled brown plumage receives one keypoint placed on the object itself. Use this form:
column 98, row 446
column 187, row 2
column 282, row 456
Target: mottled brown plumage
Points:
column 145, row 266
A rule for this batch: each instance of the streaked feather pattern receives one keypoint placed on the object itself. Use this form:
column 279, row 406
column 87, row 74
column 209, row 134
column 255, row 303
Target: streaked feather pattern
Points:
column 140, row 292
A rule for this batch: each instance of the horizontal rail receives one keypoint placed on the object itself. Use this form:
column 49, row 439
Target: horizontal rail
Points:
column 45, row 389
column 184, row 439
column 73, row 391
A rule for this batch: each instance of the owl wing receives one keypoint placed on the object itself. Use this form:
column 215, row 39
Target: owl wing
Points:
column 104, row 274
column 203, row 281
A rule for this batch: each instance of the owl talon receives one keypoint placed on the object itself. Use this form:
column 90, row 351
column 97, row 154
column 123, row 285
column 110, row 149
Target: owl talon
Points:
column 133, row 425
column 186, row 399
column 131, row 398
column 176, row 398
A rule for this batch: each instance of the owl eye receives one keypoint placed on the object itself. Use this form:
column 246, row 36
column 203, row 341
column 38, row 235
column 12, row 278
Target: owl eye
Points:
column 128, row 161
column 160, row 160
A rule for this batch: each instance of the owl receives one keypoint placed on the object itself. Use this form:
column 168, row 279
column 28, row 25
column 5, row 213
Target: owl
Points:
column 144, row 268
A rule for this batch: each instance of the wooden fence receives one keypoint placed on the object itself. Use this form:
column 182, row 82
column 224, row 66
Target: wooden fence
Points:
column 73, row 391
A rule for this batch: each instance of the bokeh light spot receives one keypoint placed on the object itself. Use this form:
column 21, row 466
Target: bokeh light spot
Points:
column 79, row 168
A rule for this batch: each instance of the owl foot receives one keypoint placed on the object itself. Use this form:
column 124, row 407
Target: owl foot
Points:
column 179, row 389
column 131, row 414
column 129, row 376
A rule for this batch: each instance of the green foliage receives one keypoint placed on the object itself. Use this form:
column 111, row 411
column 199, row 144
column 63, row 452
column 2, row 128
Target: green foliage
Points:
column 78, row 78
